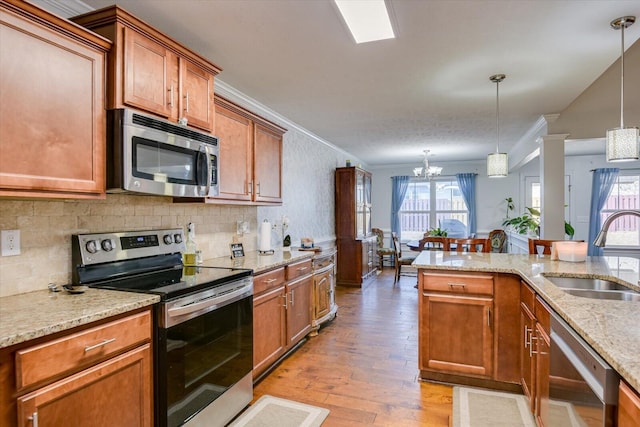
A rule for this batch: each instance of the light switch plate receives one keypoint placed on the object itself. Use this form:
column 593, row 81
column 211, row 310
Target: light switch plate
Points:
column 10, row 242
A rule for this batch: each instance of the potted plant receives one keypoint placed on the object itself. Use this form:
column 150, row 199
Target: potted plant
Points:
column 437, row 231
column 529, row 222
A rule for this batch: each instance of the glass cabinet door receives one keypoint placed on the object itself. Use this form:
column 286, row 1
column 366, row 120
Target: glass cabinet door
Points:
column 360, row 204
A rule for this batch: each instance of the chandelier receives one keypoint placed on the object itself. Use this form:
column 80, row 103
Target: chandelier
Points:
column 427, row 171
column 497, row 163
column 622, row 143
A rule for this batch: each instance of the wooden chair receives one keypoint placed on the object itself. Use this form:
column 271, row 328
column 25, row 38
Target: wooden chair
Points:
column 470, row 245
column 434, row 243
column 546, row 244
column 380, row 249
column 399, row 259
column 498, row 240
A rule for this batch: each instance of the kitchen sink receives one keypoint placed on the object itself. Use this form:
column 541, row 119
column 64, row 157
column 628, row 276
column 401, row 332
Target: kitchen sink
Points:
column 594, row 288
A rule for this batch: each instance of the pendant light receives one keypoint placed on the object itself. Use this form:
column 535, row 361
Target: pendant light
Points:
column 497, row 163
column 622, row 143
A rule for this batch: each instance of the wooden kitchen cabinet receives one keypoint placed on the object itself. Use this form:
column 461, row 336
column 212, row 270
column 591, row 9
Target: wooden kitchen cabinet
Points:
column 527, row 352
column 542, row 361
column 250, row 156
column 150, row 71
column 355, row 243
column 628, row 406
column 99, row 375
column 52, row 137
column 282, row 308
column 324, row 283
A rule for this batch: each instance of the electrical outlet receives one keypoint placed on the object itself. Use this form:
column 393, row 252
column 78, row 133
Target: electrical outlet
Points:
column 10, row 244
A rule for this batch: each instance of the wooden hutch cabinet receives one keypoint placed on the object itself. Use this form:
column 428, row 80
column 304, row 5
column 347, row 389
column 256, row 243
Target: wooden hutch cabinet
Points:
column 150, row 71
column 355, row 242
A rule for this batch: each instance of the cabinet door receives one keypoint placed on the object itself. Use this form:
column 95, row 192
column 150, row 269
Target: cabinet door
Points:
column 269, row 336
column 114, row 393
column 196, row 95
column 52, row 110
column 322, row 292
column 457, row 335
column 360, row 204
column 299, row 309
column 146, row 68
column 234, row 133
column 367, row 205
column 527, row 355
column 267, row 160
column 628, row 407
column 542, row 344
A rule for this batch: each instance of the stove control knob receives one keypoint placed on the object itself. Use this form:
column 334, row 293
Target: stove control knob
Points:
column 177, row 238
column 168, row 239
column 92, row 246
column 107, row 245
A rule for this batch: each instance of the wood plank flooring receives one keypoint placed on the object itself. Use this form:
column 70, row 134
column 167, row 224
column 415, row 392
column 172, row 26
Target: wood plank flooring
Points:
column 363, row 366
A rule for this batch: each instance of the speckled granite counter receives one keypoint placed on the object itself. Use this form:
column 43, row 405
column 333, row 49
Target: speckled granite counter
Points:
column 612, row 328
column 35, row 314
column 260, row 263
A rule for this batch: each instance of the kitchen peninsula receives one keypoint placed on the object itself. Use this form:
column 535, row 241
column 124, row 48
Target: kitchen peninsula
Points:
column 487, row 291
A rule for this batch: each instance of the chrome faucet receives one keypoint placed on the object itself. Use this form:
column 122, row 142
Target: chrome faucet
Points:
column 601, row 238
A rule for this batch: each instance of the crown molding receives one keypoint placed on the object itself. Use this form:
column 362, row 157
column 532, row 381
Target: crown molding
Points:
column 65, row 9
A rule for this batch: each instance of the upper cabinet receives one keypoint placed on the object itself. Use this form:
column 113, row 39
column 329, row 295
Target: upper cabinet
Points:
column 250, row 156
column 150, row 71
column 52, row 138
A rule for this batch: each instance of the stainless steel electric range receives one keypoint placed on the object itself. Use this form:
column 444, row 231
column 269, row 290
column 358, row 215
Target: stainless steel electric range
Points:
column 203, row 341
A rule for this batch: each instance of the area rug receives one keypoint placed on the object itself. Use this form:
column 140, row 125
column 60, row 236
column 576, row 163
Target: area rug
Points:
column 484, row 408
column 269, row 411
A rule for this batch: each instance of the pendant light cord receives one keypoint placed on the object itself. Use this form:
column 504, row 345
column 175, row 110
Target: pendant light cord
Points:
column 622, row 79
column 497, row 116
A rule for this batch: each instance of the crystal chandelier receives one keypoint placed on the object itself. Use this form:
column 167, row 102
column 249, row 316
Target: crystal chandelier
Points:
column 497, row 163
column 427, row 171
column 622, row 143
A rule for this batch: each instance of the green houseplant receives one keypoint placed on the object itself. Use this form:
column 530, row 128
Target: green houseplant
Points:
column 530, row 222
column 437, row 231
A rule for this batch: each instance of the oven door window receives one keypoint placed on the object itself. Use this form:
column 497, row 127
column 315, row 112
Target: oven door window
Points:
column 204, row 357
column 164, row 162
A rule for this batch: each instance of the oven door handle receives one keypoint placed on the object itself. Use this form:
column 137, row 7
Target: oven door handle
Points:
column 213, row 302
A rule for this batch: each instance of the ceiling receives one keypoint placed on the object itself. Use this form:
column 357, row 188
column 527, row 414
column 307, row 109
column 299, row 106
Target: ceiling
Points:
column 387, row 101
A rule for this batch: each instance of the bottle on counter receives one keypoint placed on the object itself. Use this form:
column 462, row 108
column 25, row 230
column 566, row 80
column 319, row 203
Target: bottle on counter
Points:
column 189, row 255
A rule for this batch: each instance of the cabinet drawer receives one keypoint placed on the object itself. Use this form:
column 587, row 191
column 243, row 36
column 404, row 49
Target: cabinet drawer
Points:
column 80, row 349
column 320, row 263
column 476, row 284
column 265, row 281
column 527, row 297
column 298, row 269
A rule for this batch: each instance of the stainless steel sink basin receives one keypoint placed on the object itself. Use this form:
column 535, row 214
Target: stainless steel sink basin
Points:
column 594, row 288
column 610, row 295
column 586, row 283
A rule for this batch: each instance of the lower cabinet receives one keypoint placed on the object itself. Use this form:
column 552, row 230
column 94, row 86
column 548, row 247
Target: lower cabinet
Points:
column 468, row 327
column 324, row 285
column 282, row 312
column 356, row 265
column 100, row 375
column 628, row 406
column 527, row 352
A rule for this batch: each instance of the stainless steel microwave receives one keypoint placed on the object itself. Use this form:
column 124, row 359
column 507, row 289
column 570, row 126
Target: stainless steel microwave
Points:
column 149, row 155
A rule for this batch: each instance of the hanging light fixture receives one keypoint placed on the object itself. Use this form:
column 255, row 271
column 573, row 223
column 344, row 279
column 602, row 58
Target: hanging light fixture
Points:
column 427, row 171
column 497, row 163
column 622, row 143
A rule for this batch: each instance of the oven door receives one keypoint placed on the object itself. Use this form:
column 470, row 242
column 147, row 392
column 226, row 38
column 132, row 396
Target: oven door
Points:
column 207, row 354
column 583, row 388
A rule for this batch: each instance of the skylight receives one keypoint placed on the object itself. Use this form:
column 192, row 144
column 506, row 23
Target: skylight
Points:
column 368, row 20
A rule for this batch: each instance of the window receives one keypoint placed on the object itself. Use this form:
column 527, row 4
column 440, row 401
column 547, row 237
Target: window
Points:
column 625, row 194
column 430, row 204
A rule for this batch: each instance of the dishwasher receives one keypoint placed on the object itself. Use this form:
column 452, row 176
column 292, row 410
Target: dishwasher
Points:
column 583, row 388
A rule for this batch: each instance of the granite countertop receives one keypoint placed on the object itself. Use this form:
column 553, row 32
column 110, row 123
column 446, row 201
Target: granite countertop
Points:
column 612, row 328
column 32, row 315
column 261, row 263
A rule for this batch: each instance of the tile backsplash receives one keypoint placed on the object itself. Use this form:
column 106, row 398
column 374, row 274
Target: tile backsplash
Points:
column 46, row 228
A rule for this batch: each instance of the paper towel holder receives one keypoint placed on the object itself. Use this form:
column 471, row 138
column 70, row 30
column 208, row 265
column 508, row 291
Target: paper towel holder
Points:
column 264, row 242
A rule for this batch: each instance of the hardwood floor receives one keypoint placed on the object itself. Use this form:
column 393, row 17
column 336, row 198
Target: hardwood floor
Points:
column 363, row 366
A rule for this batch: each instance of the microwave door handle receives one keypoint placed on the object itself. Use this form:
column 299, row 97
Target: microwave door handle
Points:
column 208, row 163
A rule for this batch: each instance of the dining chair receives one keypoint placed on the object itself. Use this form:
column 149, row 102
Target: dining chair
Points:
column 498, row 240
column 545, row 244
column 434, row 243
column 470, row 245
column 400, row 260
column 380, row 249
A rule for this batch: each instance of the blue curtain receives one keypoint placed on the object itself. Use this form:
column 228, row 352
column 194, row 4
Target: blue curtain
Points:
column 601, row 184
column 399, row 186
column 467, row 184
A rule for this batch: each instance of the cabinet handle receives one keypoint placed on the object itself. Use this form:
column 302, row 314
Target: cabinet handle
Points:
column 268, row 281
column 186, row 105
column 455, row 285
column 489, row 316
column 258, row 189
column 102, row 344
column 171, row 96
column 292, row 297
column 34, row 419
column 531, row 339
column 302, row 268
column 286, row 300
column 249, row 187
column 526, row 336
